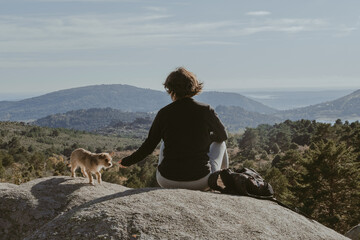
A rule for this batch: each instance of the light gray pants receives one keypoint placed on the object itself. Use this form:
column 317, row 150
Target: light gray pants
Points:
column 218, row 158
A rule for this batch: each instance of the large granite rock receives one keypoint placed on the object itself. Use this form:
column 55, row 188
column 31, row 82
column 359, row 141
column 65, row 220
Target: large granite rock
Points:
column 66, row 208
column 354, row 233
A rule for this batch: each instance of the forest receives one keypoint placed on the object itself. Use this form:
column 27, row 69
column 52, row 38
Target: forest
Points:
column 92, row 120
column 28, row 152
column 312, row 166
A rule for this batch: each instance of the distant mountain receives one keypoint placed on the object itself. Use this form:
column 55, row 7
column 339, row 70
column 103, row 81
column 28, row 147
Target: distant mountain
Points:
column 92, row 119
column 124, row 97
column 236, row 118
column 117, row 96
column 286, row 99
column 345, row 108
column 113, row 121
column 233, row 99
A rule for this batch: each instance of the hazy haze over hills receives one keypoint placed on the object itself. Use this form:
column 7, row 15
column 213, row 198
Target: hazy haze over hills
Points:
column 286, row 99
column 345, row 108
column 237, row 110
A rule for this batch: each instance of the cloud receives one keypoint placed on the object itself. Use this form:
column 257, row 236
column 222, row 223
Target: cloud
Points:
column 29, row 63
column 298, row 21
column 77, row 32
column 44, row 34
column 156, row 9
column 258, row 13
column 67, row 33
column 215, row 43
column 286, row 26
column 345, row 31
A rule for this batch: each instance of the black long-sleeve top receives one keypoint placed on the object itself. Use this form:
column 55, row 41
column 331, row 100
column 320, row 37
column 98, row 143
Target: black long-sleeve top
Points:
column 187, row 128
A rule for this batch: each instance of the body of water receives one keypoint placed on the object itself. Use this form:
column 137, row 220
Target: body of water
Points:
column 289, row 99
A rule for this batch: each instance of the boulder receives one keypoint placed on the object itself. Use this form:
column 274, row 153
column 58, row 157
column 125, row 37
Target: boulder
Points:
column 67, row 208
column 354, row 233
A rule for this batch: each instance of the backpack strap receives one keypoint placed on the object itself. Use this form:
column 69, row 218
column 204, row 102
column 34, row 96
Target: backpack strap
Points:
column 297, row 210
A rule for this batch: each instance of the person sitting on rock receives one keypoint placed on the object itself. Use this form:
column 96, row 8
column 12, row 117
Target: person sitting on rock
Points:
column 192, row 137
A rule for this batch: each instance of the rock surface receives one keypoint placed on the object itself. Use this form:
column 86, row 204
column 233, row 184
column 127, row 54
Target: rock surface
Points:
column 354, row 233
column 66, row 208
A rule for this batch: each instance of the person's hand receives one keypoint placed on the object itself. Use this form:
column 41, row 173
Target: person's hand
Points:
column 121, row 166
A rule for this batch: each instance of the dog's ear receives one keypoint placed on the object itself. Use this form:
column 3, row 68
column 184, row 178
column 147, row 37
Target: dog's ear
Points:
column 112, row 154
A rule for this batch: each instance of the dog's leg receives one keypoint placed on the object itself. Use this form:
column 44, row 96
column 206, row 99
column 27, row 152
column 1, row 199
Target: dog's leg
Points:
column 84, row 172
column 98, row 177
column 73, row 169
column 90, row 177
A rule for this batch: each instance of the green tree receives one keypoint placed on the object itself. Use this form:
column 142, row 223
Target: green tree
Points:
column 6, row 159
column 280, row 185
column 249, row 140
column 37, row 161
column 248, row 164
column 289, row 159
column 13, row 143
column 232, row 141
column 55, row 133
column 99, row 150
column 111, row 177
column 2, row 169
column 324, row 132
column 281, row 136
column 143, row 174
column 274, row 148
column 60, row 169
column 329, row 186
column 31, row 148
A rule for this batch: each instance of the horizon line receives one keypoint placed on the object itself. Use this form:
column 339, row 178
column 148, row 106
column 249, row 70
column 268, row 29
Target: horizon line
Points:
column 16, row 96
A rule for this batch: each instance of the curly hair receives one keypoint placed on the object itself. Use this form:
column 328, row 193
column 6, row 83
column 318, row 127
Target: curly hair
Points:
column 182, row 83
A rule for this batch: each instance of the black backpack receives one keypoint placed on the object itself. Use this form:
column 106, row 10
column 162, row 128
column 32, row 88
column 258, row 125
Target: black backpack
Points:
column 244, row 182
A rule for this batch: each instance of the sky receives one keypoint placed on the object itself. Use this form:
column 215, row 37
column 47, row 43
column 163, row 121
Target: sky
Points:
column 49, row 45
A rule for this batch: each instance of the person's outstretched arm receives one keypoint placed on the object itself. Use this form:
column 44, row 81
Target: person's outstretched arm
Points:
column 147, row 147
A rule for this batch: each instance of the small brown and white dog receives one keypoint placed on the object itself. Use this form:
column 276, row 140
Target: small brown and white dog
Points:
column 89, row 163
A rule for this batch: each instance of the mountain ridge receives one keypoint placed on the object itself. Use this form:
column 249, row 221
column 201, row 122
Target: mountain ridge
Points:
column 117, row 96
column 234, row 118
column 90, row 119
column 128, row 98
column 346, row 108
